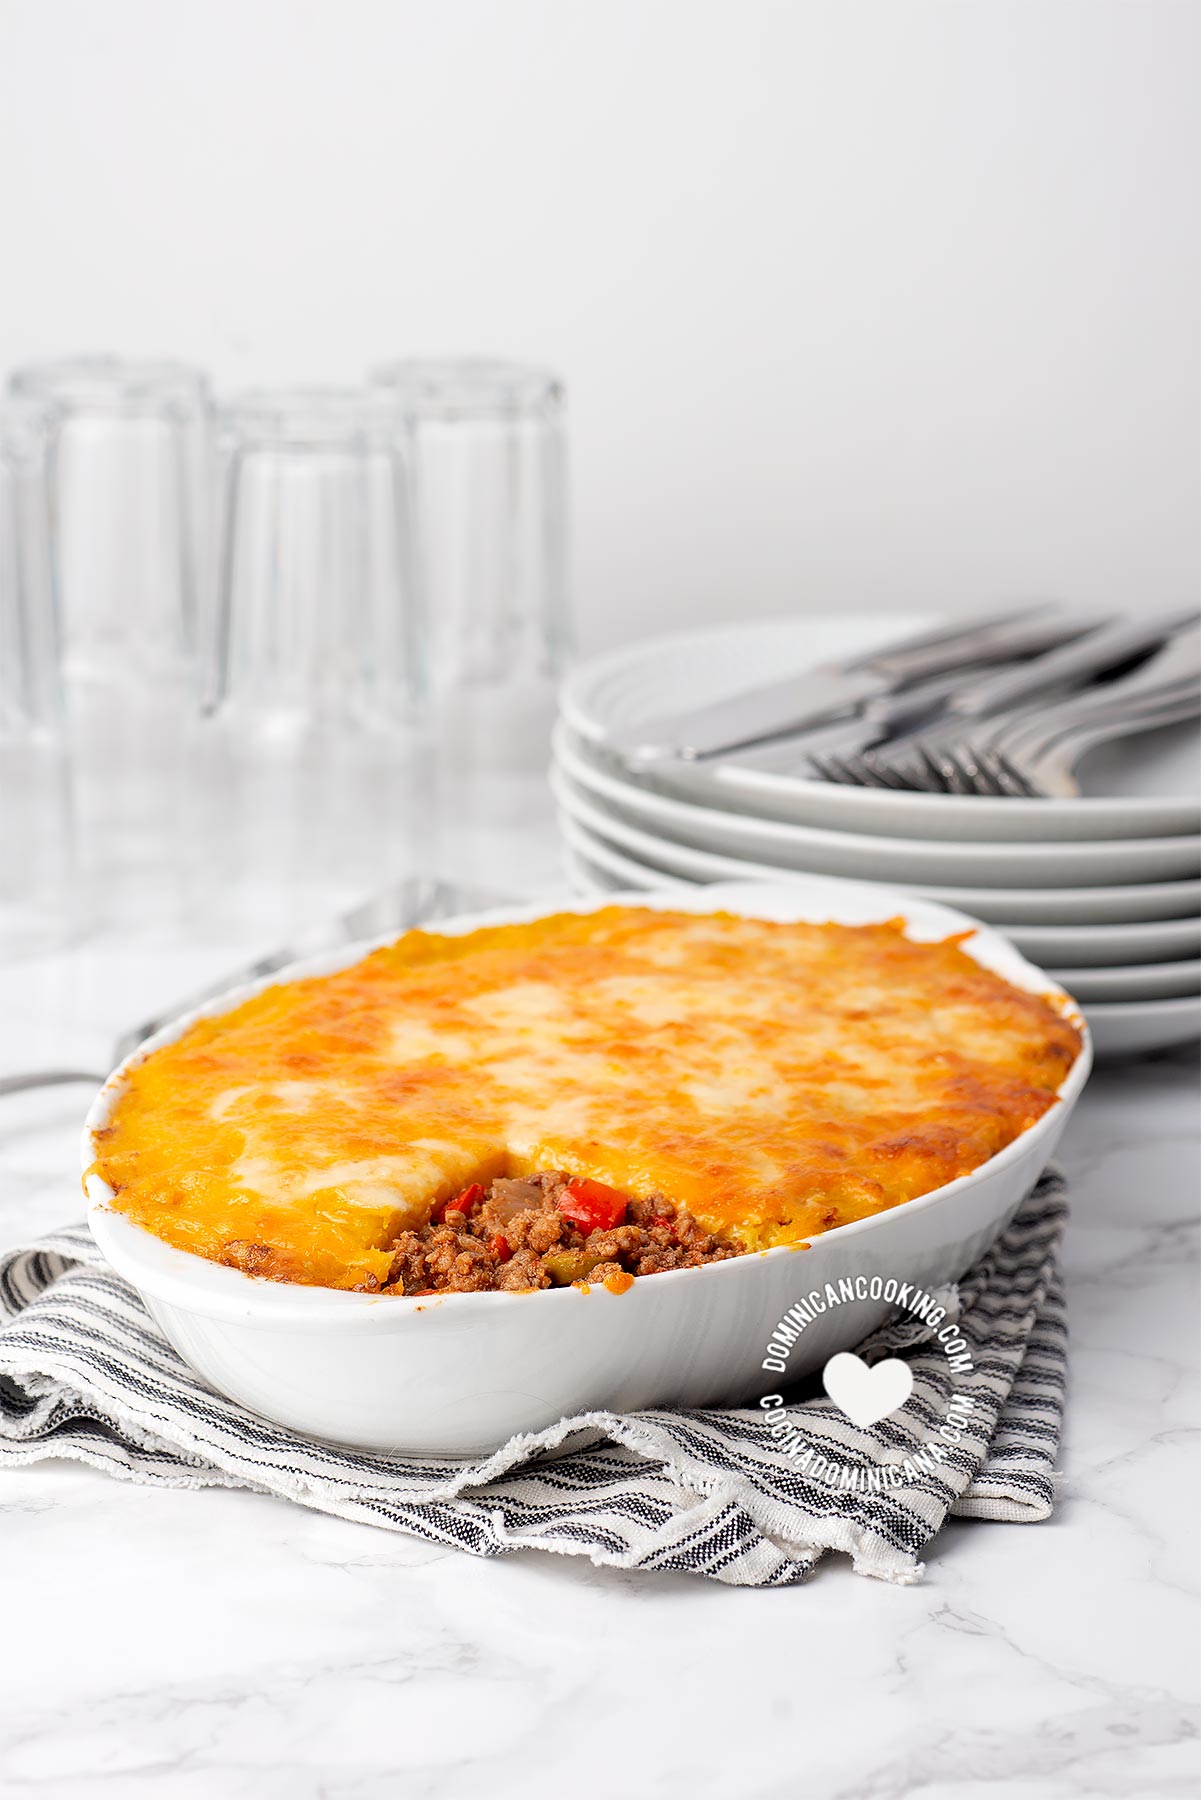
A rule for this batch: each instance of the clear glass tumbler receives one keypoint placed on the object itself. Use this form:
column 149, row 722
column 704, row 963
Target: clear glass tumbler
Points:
column 130, row 483
column 489, row 458
column 39, row 897
column 309, row 784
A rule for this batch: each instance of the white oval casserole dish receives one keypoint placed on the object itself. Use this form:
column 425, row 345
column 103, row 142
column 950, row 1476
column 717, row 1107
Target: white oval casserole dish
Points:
column 455, row 1373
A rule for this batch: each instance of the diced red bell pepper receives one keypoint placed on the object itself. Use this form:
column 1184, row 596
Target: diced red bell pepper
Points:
column 592, row 1206
column 500, row 1248
column 464, row 1203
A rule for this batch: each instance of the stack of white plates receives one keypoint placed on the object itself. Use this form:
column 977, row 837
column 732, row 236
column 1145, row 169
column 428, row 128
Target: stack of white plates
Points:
column 1102, row 891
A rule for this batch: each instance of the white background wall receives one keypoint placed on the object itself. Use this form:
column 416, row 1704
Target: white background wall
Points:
column 861, row 304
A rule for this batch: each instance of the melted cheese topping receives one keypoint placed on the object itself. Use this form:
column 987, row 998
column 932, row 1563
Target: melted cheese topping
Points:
column 773, row 1080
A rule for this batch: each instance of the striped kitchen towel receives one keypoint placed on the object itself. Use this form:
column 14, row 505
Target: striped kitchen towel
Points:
column 746, row 1495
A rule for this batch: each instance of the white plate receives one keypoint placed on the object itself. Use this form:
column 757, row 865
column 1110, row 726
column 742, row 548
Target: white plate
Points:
column 1138, row 1027
column 613, row 807
column 595, row 863
column 603, row 867
column 463, row 1372
column 1135, row 981
column 1153, row 794
column 1100, row 946
column 585, row 877
column 1012, row 906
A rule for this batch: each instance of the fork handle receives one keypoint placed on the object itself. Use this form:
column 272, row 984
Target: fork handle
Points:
column 1173, row 671
column 43, row 1078
column 1100, row 649
column 1173, row 707
column 1176, row 665
column 1051, row 763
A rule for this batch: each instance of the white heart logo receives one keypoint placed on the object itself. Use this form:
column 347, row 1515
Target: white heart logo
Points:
column 867, row 1395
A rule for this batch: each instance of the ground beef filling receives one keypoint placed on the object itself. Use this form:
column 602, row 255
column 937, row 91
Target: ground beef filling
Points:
column 537, row 1233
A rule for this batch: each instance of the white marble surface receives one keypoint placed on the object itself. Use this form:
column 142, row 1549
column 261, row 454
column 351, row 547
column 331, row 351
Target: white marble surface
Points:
column 178, row 1644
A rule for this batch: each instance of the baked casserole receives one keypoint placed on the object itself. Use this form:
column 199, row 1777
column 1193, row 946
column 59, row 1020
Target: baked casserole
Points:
column 585, row 1098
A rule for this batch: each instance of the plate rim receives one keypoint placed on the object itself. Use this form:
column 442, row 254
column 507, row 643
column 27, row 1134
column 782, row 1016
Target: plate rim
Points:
column 1174, row 1007
column 604, row 664
column 580, row 840
column 974, row 850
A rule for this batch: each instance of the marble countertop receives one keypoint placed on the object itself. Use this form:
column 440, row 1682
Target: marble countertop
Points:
column 180, row 1643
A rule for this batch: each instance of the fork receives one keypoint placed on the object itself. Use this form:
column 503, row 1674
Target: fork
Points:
column 1045, row 767
column 1044, row 763
column 1034, row 753
column 1041, row 765
column 952, row 757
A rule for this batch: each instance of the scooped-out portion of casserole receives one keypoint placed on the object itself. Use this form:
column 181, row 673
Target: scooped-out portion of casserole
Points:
column 587, row 1097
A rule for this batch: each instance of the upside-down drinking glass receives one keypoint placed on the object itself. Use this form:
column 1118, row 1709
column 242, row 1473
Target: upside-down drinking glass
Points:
column 130, row 478
column 310, row 788
column 489, row 458
column 38, row 889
